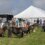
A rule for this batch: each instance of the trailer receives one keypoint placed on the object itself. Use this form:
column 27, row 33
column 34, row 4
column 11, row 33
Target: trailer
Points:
column 4, row 18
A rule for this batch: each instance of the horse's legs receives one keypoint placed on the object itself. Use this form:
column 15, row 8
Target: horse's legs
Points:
column 0, row 35
column 10, row 32
column 3, row 34
column 22, row 34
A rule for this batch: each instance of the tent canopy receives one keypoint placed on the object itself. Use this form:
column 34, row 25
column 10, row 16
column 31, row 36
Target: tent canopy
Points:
column 31, row 12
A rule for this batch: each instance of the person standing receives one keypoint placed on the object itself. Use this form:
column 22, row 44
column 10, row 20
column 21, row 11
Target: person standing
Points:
column 40, row 22
column 44, row 25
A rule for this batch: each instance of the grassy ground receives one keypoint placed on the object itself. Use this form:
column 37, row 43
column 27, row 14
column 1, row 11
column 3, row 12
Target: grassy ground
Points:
column 35, row 38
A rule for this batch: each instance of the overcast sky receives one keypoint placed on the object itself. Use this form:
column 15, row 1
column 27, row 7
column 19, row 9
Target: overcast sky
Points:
column 17, row 6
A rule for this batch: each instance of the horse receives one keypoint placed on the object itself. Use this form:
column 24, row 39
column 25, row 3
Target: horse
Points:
column 26, row 28
column 29, row 28
column 2, row 31
column 14, row 29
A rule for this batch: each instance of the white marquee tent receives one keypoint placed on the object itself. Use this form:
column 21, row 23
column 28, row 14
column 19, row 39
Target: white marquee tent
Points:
column 31, row 12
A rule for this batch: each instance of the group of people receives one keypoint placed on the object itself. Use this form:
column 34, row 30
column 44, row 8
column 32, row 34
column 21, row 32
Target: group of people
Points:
column 41, row 23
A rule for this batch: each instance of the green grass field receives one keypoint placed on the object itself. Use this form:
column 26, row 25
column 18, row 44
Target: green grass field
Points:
column 35, row 38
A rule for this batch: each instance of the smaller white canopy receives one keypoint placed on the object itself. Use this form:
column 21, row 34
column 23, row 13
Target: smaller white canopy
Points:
column 31, row 12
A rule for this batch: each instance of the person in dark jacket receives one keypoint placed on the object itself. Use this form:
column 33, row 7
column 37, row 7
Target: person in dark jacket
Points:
column 38, row 21
column 44, row 25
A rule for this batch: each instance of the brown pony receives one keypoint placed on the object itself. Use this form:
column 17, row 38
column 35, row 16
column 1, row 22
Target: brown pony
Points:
column 2, row 30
